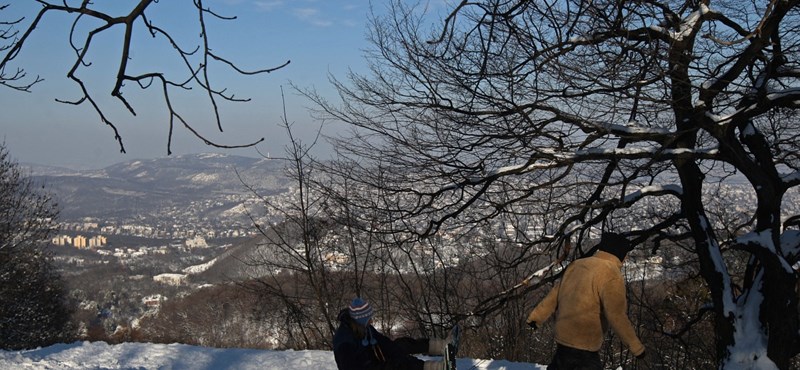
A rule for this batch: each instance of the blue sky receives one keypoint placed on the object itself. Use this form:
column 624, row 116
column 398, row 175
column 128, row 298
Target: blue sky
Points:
column 319, row 37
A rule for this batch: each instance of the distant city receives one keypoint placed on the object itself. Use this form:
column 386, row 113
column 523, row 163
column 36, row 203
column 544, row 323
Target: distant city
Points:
column 189, row 201
column 80, row 241
column 97, row 235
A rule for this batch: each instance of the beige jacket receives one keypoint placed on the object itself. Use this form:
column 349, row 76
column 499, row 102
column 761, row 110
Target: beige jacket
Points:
column 589, row 298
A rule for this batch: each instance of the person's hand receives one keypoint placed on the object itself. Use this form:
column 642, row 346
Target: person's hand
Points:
column 532, row 325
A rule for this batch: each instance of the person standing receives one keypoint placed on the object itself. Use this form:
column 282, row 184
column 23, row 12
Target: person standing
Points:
column 357, row 345
column 589, row 298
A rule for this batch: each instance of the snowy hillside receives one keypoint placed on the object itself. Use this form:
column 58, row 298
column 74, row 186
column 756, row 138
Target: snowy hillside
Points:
column 144, row 356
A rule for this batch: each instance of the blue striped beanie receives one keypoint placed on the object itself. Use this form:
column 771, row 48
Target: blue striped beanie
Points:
column 360, row 311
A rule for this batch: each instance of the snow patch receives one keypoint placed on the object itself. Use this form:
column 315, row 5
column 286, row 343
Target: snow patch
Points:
column 633, row 128
column 196, row 269
column 205, row 178
column 123, row 192
column 238, row 210
column 211, row 155
column 687, row 25
column 654, row 190
column 146, row 356
column 719, row 265
column 170, row 279
column 580, row 39
column 750, row 348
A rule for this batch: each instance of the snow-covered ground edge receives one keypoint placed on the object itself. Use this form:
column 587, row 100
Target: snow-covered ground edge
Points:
column 146, row 356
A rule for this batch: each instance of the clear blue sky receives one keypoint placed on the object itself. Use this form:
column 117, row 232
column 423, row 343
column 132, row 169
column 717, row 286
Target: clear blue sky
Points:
column 319, row 37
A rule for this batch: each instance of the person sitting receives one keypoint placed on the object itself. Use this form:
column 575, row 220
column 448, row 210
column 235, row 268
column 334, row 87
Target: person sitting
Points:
column 357, row 345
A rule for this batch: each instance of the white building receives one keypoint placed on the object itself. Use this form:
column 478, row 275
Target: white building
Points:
column 196, row 242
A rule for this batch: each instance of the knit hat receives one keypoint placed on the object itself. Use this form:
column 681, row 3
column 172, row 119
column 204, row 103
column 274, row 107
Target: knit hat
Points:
column 615, row 244
column 360, row 311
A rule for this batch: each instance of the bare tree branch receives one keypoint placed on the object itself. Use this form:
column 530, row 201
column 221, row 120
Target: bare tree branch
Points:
column 81, row 44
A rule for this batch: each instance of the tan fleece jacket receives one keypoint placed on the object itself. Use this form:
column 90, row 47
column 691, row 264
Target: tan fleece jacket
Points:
column 589, row 298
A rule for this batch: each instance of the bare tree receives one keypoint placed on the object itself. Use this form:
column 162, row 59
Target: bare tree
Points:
column 33, row 309
column 569, row 117
column 292, row 266
column 90, row 21
column 322, row 253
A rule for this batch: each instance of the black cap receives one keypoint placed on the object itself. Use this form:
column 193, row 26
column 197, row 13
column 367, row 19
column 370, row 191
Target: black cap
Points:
column 615, row 244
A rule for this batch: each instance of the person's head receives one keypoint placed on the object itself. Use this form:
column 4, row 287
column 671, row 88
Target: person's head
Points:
column 615, row 244
column 360, row 311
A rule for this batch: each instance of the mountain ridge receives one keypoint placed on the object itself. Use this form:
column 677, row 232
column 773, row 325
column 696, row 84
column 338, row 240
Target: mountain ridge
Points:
column 194, row 187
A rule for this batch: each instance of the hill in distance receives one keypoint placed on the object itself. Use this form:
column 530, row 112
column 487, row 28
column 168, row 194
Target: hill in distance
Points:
column 187, row 188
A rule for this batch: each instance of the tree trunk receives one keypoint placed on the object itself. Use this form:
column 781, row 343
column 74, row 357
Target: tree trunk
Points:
column 778, row 312
column 707, row 249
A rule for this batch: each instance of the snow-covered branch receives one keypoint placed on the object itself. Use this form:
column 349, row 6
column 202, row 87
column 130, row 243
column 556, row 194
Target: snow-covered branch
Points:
column 653, row 190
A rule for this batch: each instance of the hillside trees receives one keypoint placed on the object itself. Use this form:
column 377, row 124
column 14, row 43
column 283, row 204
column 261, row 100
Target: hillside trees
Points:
column 33, row 308
column 290, row 266
column 133, row 22
column 564, row 118
column 323, row 253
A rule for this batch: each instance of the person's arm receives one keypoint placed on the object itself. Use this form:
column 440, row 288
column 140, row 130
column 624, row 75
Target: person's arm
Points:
column 615, row 306
column 398, row 353
column 545, row 308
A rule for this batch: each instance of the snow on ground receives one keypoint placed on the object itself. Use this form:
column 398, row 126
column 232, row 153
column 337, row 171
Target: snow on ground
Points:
column 147, row 356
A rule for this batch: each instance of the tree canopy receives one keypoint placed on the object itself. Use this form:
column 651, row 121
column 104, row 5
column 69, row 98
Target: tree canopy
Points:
column 33, row 310
column 565, row 118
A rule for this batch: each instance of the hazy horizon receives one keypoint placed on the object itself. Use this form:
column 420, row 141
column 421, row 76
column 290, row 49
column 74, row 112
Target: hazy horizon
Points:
column 321, row 39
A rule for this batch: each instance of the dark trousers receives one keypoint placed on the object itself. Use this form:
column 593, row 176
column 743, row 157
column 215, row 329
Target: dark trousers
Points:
column 408, row 346
column 568, row 358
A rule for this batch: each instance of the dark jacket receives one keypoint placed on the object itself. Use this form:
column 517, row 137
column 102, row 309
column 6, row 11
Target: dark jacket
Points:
column 353, row 353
